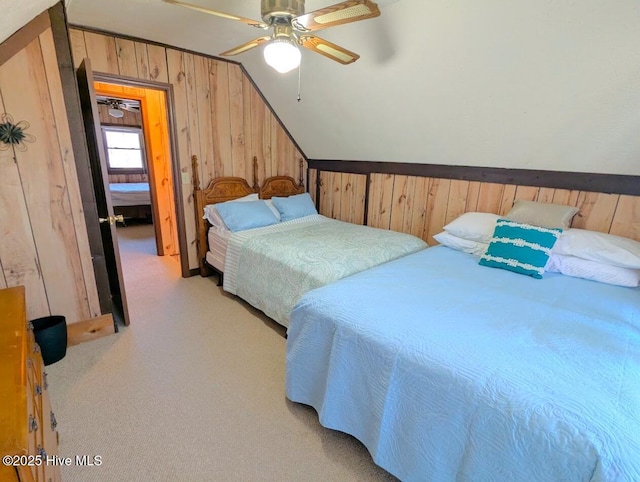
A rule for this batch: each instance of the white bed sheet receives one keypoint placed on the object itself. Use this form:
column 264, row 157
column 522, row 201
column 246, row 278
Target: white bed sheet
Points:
column 218, row 240
column 130, row 193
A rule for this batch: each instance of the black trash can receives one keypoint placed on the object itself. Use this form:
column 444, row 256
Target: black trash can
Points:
column 50, row 333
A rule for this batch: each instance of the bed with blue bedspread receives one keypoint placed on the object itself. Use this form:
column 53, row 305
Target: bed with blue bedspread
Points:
column 447, row 370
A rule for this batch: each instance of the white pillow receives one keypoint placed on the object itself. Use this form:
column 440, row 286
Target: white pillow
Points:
column 473, row 226
column 592, row 270
column 274, row 209
column 461, row 244
column 600, row 247
column 547, row 215
column 211, row 213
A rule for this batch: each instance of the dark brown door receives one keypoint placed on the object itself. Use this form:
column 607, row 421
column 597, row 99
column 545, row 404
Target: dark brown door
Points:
column 101, row 188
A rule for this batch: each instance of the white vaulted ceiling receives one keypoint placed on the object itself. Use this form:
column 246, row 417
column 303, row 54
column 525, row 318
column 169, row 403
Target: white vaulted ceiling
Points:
column 522, row 83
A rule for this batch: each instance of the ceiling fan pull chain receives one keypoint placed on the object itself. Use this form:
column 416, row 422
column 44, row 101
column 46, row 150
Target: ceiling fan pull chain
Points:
column 299, row 76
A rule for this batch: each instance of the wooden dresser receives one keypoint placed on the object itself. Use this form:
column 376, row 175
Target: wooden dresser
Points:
column 28, row 434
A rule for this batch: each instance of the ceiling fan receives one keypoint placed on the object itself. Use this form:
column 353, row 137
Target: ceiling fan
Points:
column 116, row 106
column 291, row 27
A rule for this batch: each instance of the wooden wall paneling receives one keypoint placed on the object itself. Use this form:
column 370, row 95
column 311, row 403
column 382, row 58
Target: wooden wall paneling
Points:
column 526, row 193
column 419, row 213
column 626, row 221
column 177, row 76
column 410, row 204
column 566, row 197
column 18, row 254
column 101, row 49
column 508, row 196
column 219, row 86
column 359, row 183
column 131, row 119
column 69, row 166
column 545, row 195
column 142, row 57
column 272, row 162
column 235, row 164
column 457, row 201
column 313, row 179
column 596, row 211
column 380, row 200
column 160, row 175
column 490, row 197
column 335, row 194
column 260, row 132
column 205, row 118
column 157, row 61
column 247, row 134
column 352, row 188
column 473, row 196
column 284, row 153
column 126, row 54
column 326, row 188
column 436, row 214
column 127, row 178
column 45, row 188
column 398, row 205
column 78, row 46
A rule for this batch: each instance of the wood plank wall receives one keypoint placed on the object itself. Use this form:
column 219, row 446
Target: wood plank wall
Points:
column 220, row 116
column 423, row 205
column 43, row 237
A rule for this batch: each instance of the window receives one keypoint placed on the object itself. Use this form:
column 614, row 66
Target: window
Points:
column 125, row 150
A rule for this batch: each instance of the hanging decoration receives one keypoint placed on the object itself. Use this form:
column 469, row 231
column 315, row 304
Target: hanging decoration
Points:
column 13, row 135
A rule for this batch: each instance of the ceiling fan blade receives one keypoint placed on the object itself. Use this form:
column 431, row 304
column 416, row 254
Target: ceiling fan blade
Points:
column 247, row 46
column 338, row 14
column 130, row 108
column 328, row 49
column 248, row 21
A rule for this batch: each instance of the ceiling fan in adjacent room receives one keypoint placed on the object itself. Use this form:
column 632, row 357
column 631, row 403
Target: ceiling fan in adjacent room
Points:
column 291, row 28
column 117, row 106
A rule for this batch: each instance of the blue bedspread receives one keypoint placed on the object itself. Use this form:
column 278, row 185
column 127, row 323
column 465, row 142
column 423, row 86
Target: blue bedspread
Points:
column 447, row 370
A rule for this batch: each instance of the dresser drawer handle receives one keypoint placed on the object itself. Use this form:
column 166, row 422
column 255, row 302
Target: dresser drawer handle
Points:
column 45, row 383
column 54, row 422
column 33, row 424
column 38, row 390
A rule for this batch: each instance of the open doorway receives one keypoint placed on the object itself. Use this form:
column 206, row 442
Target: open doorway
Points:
column 135, row 129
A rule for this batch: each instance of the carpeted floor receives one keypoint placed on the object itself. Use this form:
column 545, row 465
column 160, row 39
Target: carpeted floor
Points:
column 192, row 390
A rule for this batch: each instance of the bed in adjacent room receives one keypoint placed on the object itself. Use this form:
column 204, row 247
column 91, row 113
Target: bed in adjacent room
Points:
column 131, row 199
column 273, row 246
column 449, row 370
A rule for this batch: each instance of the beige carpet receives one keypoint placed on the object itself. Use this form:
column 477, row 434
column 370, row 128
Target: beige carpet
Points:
column 192, row 390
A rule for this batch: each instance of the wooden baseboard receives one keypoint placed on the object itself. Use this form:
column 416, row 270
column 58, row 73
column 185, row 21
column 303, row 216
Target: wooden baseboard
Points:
column 89, row 330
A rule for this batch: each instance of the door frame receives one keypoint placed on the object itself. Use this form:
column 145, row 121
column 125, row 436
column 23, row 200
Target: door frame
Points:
column 173, row 149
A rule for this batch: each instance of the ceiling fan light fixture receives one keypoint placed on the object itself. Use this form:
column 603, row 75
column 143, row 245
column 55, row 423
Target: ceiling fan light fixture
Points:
column 117, row 113
column 282, row 54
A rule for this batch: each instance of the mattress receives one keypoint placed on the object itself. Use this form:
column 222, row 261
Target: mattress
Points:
column 218, row 239
column 451, row 371
column 272, row 267
column 130, row 193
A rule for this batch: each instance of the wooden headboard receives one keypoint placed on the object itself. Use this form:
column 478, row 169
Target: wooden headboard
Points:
column 221, row 189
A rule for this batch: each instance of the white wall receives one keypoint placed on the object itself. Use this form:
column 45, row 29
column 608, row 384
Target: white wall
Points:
column 524, row 84
column 16, row 13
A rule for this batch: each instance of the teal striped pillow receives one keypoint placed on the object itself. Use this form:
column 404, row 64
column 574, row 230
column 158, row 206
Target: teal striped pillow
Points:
column 522, row 248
